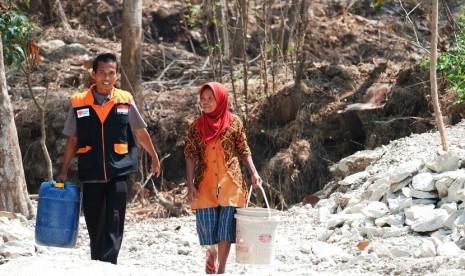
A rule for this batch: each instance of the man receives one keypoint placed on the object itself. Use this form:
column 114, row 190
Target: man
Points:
column 101, row 126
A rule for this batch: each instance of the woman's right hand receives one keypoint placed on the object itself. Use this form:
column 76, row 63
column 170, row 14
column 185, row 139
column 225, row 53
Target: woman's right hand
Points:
column 256, row 180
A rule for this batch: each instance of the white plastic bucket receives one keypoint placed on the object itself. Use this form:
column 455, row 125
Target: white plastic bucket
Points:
column 256, row 233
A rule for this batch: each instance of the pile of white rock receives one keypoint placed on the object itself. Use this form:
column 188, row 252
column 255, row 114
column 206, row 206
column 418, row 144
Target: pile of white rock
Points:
column 15, row 236
column 409, row 187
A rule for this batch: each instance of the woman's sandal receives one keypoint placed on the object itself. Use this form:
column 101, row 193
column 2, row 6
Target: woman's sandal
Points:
column 209, row 267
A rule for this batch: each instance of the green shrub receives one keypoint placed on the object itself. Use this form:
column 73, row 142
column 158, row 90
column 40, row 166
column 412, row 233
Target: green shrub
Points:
column 15, row 28
column 452, row 62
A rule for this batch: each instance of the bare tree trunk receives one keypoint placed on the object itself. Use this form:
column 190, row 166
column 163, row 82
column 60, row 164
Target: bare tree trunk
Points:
column 292, row 15
column 47, row 9
column 282, row 28
column 266, row 11
column 52, row 10
column 224, row 27
column 131, row 48
column 13, row 190
column 213, row 30
column 131, row 66
column 433, row 77
column 61, row 16
column 239, row 32
column 301, row 31
column 244, row 8
column 220, row 44
column 43, row 133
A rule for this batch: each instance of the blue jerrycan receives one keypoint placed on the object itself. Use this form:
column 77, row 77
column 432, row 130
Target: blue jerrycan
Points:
column 58, row 213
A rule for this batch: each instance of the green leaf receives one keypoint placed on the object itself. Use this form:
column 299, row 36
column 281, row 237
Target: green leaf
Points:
column 452, row 62
column 15, row 28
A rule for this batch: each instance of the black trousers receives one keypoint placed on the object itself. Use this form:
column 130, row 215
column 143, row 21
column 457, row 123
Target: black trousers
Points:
column 104, row 207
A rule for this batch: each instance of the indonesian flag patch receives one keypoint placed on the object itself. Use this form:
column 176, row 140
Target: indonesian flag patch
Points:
column 122, row 109
column 84, row 112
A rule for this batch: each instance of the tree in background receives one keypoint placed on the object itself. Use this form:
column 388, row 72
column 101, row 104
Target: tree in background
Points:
column 433, row 77
column 13, row 190
column 131, row 67
column 52, row 11
column 131, row 49
column 22, row 52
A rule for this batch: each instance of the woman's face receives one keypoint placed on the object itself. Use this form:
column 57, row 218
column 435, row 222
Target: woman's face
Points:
column 207, row 100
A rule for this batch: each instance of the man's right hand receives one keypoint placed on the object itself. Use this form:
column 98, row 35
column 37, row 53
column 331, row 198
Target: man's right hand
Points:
column 62, row 178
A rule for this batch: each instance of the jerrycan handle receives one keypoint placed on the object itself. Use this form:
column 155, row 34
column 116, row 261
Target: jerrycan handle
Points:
column 59, row 185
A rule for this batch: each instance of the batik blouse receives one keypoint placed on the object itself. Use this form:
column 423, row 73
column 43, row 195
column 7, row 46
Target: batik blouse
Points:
column 230, row 190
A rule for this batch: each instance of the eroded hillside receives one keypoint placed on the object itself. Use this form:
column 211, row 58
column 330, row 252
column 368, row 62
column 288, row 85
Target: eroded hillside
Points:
column 362, row 85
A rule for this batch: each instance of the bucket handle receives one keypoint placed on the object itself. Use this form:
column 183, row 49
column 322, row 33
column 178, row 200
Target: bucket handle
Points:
column 264, row 195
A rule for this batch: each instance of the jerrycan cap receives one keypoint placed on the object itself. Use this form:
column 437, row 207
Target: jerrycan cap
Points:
column 59, row 185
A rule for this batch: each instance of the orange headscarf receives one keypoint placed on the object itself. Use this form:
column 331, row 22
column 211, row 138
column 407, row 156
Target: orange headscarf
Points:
column 211, row 125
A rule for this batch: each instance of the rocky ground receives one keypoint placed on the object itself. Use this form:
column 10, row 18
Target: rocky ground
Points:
column 394, row 210
column 370, row 225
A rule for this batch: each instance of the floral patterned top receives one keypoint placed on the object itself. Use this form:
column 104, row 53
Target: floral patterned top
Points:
column 234, row 144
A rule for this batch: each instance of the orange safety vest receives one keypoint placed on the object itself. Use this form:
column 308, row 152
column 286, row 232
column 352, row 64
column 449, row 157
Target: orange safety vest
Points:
column 106, row 145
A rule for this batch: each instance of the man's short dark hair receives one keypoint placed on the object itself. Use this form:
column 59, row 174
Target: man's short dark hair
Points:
column 106, row 57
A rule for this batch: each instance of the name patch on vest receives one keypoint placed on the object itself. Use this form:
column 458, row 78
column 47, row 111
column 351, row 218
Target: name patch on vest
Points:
column 83, row 113
column 122, row 109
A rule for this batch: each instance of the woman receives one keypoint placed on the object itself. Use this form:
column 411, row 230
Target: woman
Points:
column 215, row 143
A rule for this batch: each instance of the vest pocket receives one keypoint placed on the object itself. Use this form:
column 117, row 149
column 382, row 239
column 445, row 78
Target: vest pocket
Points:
column 121, row 148
column 84, row 149
column 122, row 119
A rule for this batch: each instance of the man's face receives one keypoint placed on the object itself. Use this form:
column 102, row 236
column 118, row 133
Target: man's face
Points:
column 105, row 77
